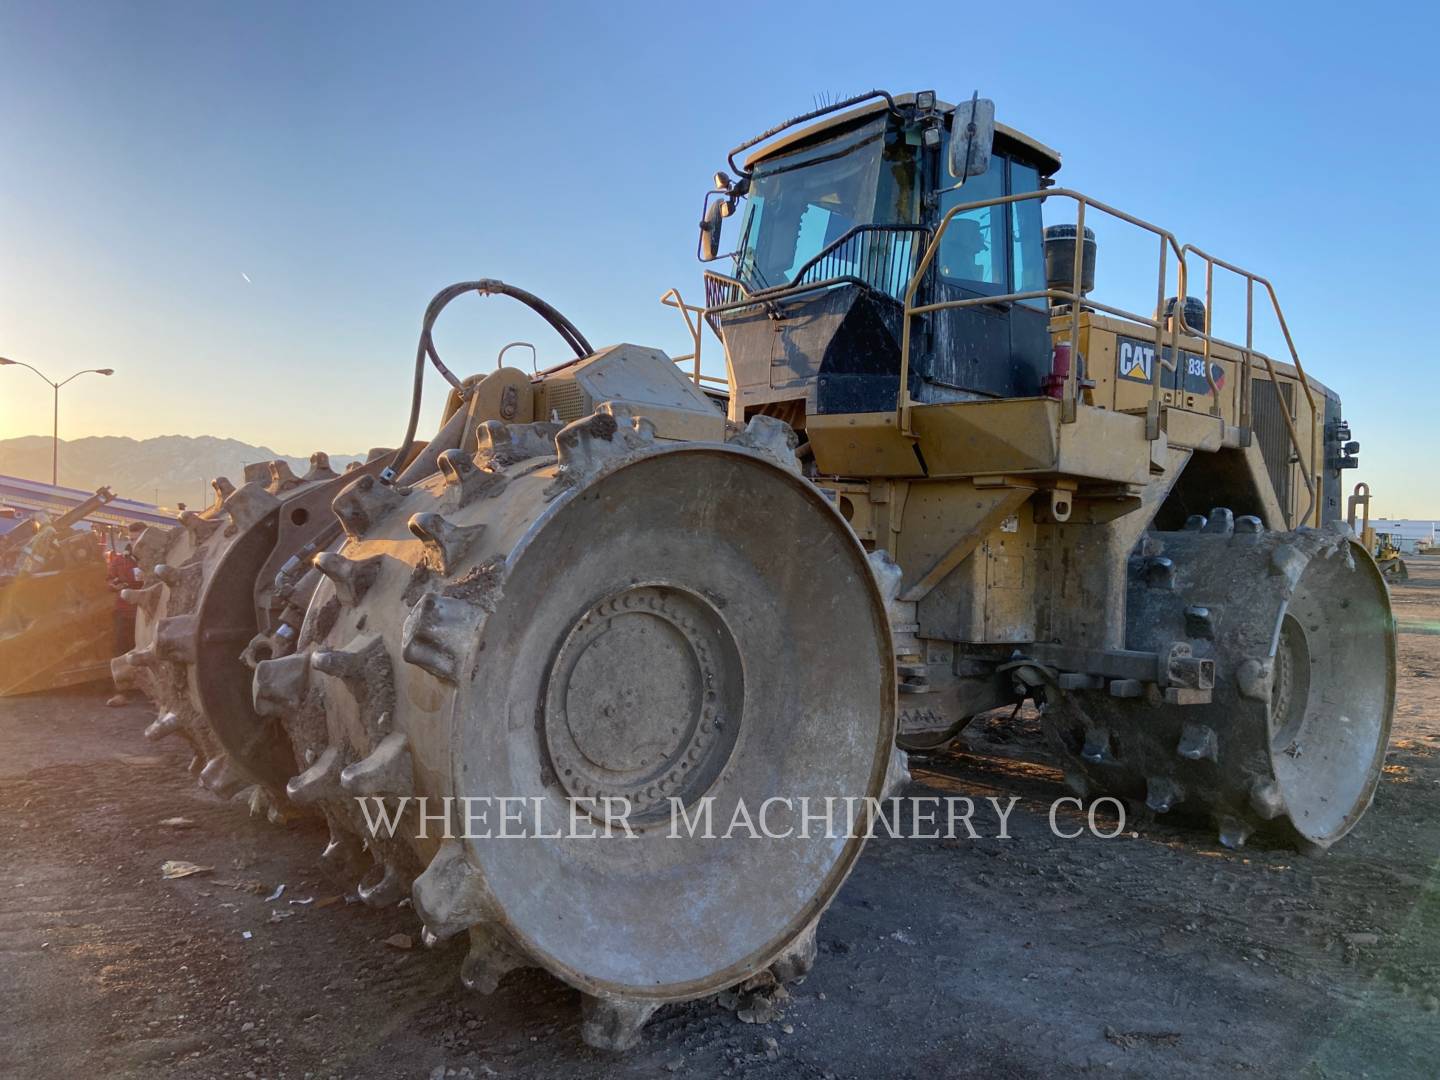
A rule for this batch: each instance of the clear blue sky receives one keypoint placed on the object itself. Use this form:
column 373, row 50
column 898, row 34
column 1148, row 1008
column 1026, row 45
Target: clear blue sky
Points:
column 352, row 159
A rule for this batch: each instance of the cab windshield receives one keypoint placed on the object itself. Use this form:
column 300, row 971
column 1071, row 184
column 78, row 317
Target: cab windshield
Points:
column 802, row 202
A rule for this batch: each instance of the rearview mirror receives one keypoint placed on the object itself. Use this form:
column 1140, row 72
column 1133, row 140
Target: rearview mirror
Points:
column 712, row 222
column 972, row 134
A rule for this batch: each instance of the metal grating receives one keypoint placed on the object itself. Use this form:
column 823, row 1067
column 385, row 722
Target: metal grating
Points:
column 566, row 401
column 1270, row 433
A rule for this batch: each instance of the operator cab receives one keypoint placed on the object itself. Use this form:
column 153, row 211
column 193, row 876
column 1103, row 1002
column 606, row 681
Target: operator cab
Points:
column 836, row 219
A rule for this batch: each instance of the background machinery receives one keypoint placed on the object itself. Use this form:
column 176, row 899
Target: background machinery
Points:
column 1384, row 546
column 941, row 478
column 56, row 626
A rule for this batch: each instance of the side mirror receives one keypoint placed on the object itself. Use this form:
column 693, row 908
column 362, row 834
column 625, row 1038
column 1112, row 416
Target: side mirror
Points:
column 972, row 134
column 712, row 222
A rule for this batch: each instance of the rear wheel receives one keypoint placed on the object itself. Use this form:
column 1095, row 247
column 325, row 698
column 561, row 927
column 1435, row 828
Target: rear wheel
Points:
column 1291, row 742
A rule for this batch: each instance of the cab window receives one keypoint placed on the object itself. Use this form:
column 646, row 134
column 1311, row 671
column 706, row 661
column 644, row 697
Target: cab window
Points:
column 1027, row 235
column 974, row 248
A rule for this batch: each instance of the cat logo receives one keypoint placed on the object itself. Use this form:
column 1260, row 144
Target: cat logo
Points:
column 1136, row 363
column 1135, row 360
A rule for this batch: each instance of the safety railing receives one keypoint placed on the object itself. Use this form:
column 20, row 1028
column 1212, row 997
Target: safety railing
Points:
column 692, row 316
column 1078, row 303
column 882, row 256
column 1251, row 280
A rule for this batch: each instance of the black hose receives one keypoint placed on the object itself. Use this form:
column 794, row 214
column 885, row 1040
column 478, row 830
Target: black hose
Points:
column 426, row 349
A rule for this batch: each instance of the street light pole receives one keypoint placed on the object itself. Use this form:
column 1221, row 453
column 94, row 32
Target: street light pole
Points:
column 55, row 416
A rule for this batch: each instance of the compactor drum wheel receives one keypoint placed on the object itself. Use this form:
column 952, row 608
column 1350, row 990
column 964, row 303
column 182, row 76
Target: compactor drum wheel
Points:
column 1296, row 630
column 572, row 616
column 197, row 611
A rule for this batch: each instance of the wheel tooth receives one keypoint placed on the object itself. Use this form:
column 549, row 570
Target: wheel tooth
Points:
column 1200, row 622
column 1162, row 793
column 319, row 781
column 1234, row 832
column 1266, row 799
column 223, row 489
column 256, row 472
column 897, row 773
column 279, row 685
column 1198, row 743
column 1076, row 782
column 344, row 664
column 499, row 444
column 1195, row 523
column 1254, row 678
column 142, row 657
column 146, row 599
column 364, row 667
column 1222, row 522
column 386, row 771
column 250, row 504
column 352, row 577
column 451, row 895
column 773, row 438
column 183, row 582
column 1288, row 561
column 608, row 1023
column 343, row 854
column 798, row 958
column 1249, row 525
column 488, row 960
column 163, row 726
column 177, row 639
column 282, row 477
column 151, row 547
column 221, row 777
column 1097, row 746
column 319, row 468
column 1160, row 572
column 364, row 503
column 437, row 633
column 270, row 805
column 447, row 542
column 122, row 674
column 466, row 479
column 387, row 892
column 199, row 528
column 595, row 442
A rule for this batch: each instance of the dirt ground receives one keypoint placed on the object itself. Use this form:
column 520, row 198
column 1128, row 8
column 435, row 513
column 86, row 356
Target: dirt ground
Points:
column 1157, row 953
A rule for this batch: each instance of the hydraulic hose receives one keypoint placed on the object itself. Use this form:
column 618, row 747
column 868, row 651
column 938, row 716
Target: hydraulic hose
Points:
column 426, row 349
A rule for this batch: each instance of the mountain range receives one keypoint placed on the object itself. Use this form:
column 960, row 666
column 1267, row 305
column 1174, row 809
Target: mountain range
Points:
column 168, row 469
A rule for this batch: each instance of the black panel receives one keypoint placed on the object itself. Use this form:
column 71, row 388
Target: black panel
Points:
column 846, row 338
column 1332, row 479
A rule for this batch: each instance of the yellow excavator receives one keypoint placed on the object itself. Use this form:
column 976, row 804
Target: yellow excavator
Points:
column 1384, row 546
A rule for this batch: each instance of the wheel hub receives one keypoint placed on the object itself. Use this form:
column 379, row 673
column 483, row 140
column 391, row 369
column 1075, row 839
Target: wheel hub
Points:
column 644, row 699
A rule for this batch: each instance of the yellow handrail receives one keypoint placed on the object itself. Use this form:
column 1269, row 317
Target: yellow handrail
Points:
column 1071, row 296
column 672, row 298
column 1317, row 417
column 1168, row 244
